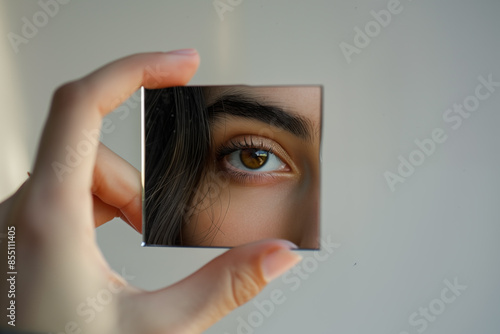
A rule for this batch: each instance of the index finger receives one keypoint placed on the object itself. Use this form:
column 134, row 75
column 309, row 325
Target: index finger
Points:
column 68, row 148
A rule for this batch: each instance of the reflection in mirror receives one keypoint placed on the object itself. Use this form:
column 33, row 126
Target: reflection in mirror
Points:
column 228, row 165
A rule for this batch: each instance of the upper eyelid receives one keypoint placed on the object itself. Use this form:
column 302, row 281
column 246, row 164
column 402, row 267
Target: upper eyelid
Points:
column 233, row 145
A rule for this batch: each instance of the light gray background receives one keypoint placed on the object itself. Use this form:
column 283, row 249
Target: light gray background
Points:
column 396, row 248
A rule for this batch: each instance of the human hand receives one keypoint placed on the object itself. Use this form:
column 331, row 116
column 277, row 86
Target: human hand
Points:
column 55, row 212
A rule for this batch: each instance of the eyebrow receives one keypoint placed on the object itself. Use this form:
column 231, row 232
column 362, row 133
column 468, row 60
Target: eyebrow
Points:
column 243, row 106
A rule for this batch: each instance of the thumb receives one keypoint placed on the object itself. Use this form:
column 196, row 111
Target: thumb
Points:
column 219, row 287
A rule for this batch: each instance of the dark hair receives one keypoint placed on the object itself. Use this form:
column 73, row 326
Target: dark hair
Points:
column 177, row 137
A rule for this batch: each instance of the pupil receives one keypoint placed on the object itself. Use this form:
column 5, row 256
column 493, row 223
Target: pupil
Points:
column 253, row 158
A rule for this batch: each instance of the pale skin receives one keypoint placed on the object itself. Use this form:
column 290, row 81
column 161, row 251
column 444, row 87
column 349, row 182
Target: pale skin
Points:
column 58, row 262
column 279, row 200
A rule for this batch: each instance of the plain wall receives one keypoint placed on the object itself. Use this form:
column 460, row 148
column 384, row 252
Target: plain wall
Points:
column 394, row 250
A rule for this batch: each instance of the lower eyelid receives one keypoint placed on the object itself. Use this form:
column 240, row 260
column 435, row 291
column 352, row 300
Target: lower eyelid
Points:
column 246, row 178
column 252, row 178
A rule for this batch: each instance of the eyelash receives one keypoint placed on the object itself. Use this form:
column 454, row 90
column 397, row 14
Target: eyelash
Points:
column 235, row 145
column 242, row 143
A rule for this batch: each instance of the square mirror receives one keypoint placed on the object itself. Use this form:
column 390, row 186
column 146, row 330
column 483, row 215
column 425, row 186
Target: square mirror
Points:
column 228, row 165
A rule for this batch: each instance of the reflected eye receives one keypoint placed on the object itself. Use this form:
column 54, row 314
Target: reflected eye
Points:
column 252, row 160
column 255, row 159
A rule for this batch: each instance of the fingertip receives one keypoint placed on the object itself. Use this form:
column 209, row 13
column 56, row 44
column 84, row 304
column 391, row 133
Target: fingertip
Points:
column 175, row 68
column 183, row 52
column 191, row 56
column 289, row 244
column 279, row 261
column 274, row 257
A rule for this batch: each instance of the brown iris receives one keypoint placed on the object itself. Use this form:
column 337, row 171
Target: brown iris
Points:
column 253, row 158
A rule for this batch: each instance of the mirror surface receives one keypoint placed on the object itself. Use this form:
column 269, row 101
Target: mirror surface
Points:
column 228, row 165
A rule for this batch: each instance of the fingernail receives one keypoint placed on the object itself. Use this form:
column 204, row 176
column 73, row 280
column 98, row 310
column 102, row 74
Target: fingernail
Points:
column 278, row 262
column 183, row 52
